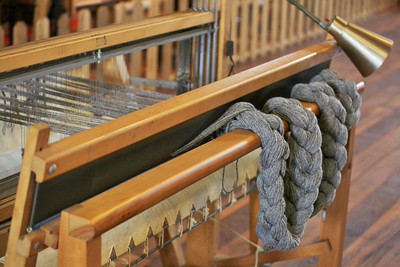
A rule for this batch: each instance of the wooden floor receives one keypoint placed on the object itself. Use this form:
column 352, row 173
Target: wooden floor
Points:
column 373, row 227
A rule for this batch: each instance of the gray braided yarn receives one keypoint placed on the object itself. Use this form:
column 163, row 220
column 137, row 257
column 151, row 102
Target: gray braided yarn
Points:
column 346, row 92
column 304, row 173
column 334, row 137
column 272, row 227
column 216, row 127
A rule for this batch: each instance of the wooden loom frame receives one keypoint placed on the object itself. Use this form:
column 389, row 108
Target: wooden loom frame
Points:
column 38, row 52
column 78, row 233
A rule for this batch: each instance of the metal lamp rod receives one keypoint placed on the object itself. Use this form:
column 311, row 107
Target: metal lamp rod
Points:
column 309, row 14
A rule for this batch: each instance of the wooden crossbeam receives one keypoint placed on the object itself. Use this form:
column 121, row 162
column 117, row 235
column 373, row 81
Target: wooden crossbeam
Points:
column 64, row 46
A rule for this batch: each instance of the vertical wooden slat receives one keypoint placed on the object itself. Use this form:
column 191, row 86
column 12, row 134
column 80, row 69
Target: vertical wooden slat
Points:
column 42, row 28
column 265, row 27
column 84, row 23
column 152, row 58
column 113, row 70
column 233, row 28
column 2, row 43
column 357, row 10
column 102, row 16
column 330, row 9
column 183, row 5
column 136, row 59
column 41, row 9
column 301, row 22
column 312, row 4
column 20, row 33
column 63, row 24
column 84, row 20
column 275, row 26
column 119, row 12
column 166, row 60
column 224, row 21
column 322, row 7
column 292, row 38
column 254, row 45
column 244, row 31
column 283, row 25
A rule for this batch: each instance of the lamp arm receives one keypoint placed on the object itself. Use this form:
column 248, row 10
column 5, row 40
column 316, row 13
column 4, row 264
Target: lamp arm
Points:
column 309, row 14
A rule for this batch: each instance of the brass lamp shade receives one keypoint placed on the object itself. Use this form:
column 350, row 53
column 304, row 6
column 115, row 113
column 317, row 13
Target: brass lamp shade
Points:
column 367, row 50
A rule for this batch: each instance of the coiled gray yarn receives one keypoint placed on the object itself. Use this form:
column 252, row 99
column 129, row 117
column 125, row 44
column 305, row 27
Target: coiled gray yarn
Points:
column 304, row 173
column 286, row 200
column 334, row 137
column 289, row 197
column 346, row 92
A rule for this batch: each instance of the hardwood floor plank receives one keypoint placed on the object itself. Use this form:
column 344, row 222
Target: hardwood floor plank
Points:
column 379, row 241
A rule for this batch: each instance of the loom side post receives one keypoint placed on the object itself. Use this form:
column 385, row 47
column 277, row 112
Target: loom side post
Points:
column 77, row 251
column 19, row 252
column 333, row 227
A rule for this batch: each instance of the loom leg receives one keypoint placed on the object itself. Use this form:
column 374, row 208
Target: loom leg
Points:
column 334, row 227
column 254, row 206
column 172, row 254
column 202, row 244
column 75, row 251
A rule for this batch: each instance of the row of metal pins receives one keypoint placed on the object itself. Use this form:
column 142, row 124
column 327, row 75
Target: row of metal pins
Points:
column 181, row 229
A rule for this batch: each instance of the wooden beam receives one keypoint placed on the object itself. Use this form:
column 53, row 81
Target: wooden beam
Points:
column 6, row 208
column 64, row 46
column 306, row 251
column 122, row 202
column 38, row 138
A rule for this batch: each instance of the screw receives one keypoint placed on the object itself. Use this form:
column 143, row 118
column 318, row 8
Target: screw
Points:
column 52, row 169
column 36, row 246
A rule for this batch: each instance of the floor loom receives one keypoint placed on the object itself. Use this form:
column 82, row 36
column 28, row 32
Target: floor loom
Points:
column 92, row 198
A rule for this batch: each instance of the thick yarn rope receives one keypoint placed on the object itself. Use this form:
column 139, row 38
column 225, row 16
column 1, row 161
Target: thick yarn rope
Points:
column 334, row 137
column 304, row 173
column 286, row 202
column 346, row 92
column 289, row 197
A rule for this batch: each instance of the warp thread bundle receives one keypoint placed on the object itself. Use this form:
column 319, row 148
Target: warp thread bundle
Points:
column 314, row 152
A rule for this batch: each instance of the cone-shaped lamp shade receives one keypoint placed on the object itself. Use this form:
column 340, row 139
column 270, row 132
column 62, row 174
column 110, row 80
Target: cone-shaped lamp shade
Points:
column 367, row 50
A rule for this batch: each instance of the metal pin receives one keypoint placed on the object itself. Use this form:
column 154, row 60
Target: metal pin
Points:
column 36, row 246
column 98, row 56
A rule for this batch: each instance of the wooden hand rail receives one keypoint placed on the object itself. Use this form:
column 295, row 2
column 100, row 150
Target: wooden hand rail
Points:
column 105, row 139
